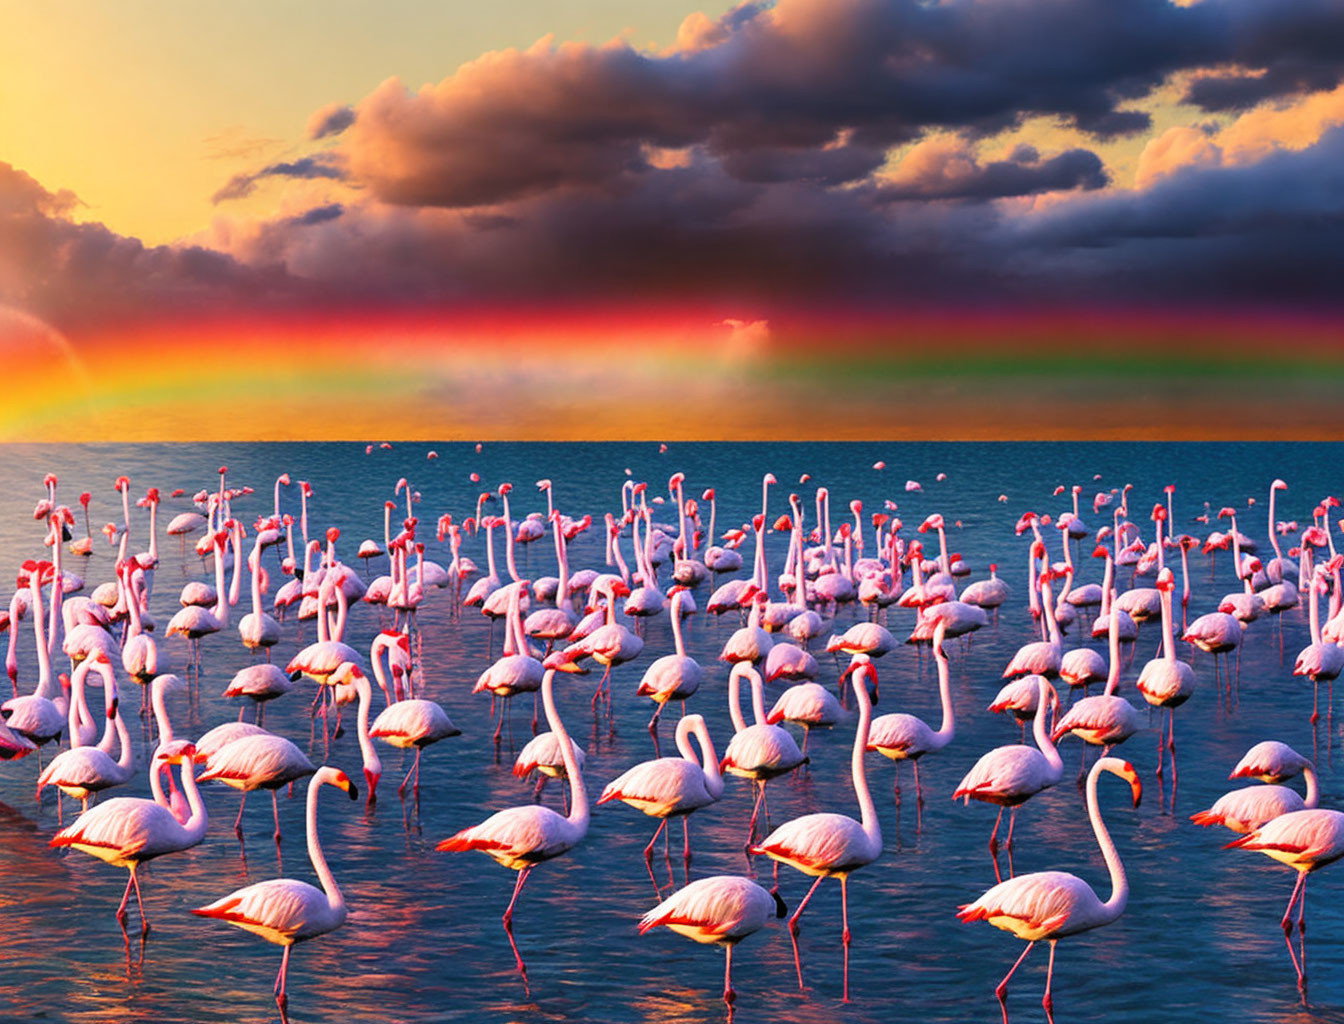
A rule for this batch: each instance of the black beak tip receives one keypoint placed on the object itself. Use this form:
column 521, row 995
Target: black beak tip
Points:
column 781, row 909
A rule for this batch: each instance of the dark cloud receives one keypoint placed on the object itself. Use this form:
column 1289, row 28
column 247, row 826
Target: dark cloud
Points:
column 1242, row 90
column 815, row 90
column 1024, row 174
column 317, row 215
column 69, row 273
column 332, row 119
column 241, row 185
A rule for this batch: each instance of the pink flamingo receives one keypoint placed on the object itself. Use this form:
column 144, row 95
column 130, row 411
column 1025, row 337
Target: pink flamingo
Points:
column 1011, row 775
column 1320, row 662
column 1306, row 841
column 828, row 845
column 723, row 909
column 409, row 722
column 257, row 761
column 807, row 704
column 1106, row 719
column 82, row 771
column 1042, row 657
column 285, row 910
column 1167, row 682
column 522, row 837
column 1245, row 810
column 1049, row 905
column 904, row 737
column 758, row 752
column 672, row 787
column 127, row 831
column 673, row 676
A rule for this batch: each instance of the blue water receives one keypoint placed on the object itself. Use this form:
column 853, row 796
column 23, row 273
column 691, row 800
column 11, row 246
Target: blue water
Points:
column 1199, row 940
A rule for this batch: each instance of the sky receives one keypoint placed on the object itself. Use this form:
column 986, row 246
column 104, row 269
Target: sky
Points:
column 968, row 218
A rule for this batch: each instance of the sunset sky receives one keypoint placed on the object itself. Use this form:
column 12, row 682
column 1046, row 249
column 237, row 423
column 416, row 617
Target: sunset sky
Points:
column 1111, row 217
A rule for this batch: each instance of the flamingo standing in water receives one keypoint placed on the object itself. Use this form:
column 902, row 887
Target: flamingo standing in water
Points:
column 1245, row 810
column 673, row 676
column 1167, row 682
column 410, row 722
column 672, row 787
column 1050, row 905
column 285, row 910
column 1306, row 841
column 127, row 831
column 828, row 845
column 757, row 752
column 904, row 737
column 522, row 837
column 724, row 909
column 1320, row 662
column 1011, row 775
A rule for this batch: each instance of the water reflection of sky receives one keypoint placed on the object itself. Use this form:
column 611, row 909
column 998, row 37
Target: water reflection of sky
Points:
column 1199, row 940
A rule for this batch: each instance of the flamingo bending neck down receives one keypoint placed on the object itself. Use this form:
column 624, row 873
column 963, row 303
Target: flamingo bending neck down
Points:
column 832, row 845
column 1052, row 904
column 285, row 910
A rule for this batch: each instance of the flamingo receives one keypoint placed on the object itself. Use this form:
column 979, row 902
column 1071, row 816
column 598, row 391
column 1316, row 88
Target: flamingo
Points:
column 988, row 593
column 724, row 909
column 520, row 838
column 1320, row 662
column 758, row 752
column 1011, row 775
column 1050, row 905
column 286, row 910
column 1166, row 682
column 256, row 628
column 1041, row 657
column 127, row 831
column 541, row 754
column 672, row 787
column 904, row 737
column 1245, row 810
column 829, row 845
column 1306, row 841
column 610, row 644
column 261, row 682
column 1103, row 720
column 807, row 704
column 673, row 676
column 258, row 761
column 81, row 771
column 412, row 722
column 515, row 671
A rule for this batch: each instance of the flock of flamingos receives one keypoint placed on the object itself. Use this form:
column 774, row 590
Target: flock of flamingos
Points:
column 577, row 621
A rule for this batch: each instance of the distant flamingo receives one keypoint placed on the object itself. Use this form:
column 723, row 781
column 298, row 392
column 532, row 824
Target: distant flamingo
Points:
column 285, row 910
column 721, row 908
column 828, row 845
column 1106, row 719
column 1053, row 904
column 1167, row 682
column 673, row 676
column 522, row 837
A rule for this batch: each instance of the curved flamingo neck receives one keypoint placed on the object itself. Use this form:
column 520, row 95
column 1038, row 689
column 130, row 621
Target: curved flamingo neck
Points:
column 1315, row 614
column 373, row 766
column 735, row 696
column 1168, row 645
column 945, row 732
column 709, row 759
column 1113, row 647
column 221, row 609
column 508, row 539
column 1041, row 734
column 872, row 829
column 235, row 582
column 1273, row 534
column 578, row 808
column 382, row 642
column 254, row 564
column 156, row 700
column 45, row 687
column 77, row 700
column 334, row 898
column 1119, row 882
column 758, row 697
column 680, row 644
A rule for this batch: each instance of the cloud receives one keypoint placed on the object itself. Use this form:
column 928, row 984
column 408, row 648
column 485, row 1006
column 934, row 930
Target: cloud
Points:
column 943, row 168
column 332, row 119
column 308, row 167
column 817, row 90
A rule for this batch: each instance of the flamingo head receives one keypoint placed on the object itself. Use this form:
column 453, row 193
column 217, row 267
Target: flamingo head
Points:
column 674, row 482
column 333, row 534
column 933, row 522
column 1227, row 512
column 1159, row 513
column 880, row 520
column 565, row 661
column 861, row 666
column 783, row 524
column 110, row 532
column 123, row 483
column 505, row 489
column 1127, row 772
column 1166, row 580
column 1057, row 491
column 1025, row 523
column 1278, row 485
column 1335, row 564
column 708, row 495
column 856, row 506
column 758, row 522
column 85, row 498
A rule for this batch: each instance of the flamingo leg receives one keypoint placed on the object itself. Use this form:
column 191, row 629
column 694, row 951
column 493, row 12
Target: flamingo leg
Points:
column 281, row 999
column 125, row 897
column 508, row 922
column 1299, row 892
column 793, row 931
column 755, row 810
column 648, row 854
column 275, row 809
column 686, row 849
column 729, row 995
column 1047, row 1000
column 844, row 934
column 994, row 845
column 1001, row 990
column 919, row 800
column 1008, row 844
column 1171, row 749
column 238, row 821
column 144, row 922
